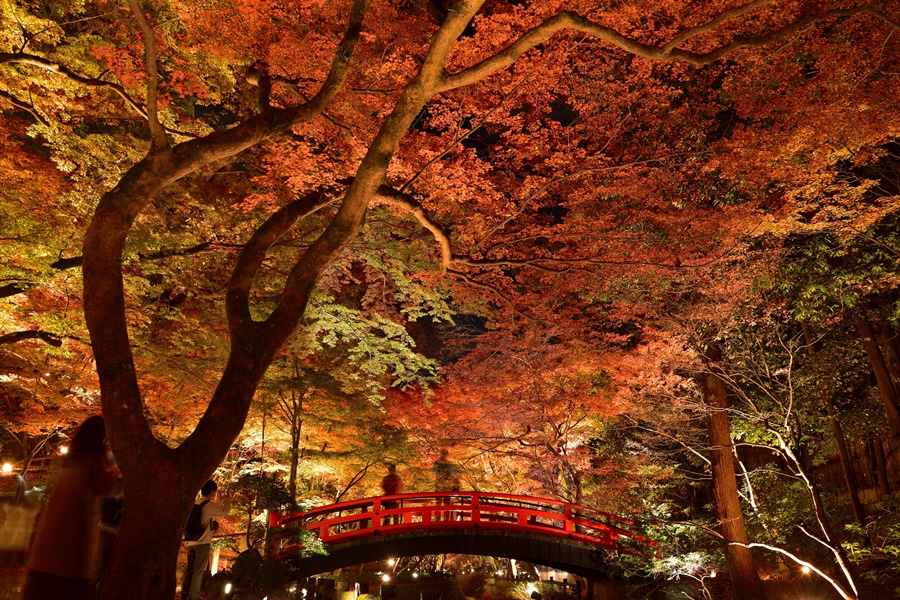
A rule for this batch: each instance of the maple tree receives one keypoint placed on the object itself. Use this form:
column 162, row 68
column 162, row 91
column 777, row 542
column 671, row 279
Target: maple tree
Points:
column 544, row 159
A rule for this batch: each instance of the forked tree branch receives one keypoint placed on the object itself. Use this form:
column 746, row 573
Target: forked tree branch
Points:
column 54, row 67
column 237, row 295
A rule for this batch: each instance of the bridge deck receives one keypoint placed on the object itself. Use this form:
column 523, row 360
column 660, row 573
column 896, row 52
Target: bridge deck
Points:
column 420, row 512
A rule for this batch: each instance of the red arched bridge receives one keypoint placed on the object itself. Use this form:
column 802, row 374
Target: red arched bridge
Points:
column 567, row 536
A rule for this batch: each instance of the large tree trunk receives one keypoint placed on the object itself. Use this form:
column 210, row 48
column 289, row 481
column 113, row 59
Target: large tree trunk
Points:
column 741, row 565
column 145, row 568
column 882, row 375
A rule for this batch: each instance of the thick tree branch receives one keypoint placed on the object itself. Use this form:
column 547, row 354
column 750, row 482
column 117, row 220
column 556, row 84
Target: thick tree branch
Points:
column 572, row 21
column 18, row 336
column 157, row 133
column 13, row 289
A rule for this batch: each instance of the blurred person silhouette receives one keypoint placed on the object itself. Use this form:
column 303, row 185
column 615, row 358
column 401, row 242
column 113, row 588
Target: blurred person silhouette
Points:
column 391, row 484
column 446, row 479
column 110, row 517
column 198, row 550
column 63, row 559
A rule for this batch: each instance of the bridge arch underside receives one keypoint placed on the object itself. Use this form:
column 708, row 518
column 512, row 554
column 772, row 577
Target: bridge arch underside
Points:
column 588, row 561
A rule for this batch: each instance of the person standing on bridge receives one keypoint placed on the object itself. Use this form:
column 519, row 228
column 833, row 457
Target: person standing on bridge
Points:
column 446, row 479
column 391, row 484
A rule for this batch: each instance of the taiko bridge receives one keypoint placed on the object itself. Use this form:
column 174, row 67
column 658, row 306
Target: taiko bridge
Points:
column 561, row 535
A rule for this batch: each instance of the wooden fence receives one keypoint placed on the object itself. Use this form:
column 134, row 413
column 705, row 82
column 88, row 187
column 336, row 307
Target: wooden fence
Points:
column 863, row 463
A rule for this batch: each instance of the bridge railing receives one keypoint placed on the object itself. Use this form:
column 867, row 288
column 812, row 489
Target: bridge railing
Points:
column 384, row 515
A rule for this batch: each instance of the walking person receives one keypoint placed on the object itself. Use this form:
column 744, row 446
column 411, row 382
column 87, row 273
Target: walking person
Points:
column 198, row 549
column 63, row 560
column 391, row 484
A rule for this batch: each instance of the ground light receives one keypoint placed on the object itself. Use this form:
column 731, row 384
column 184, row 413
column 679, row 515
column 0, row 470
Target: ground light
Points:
column 7, row 468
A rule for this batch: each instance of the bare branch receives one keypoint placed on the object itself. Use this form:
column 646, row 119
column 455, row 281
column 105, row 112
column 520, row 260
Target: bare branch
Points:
column 392, row 197
column 715, row 22
column 462, row 137
column 24, row 106
column 53, row 67
column 568, row 20
column 837, row 586
column 157, row 133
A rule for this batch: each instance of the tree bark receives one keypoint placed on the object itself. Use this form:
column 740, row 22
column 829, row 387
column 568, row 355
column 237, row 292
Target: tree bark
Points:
column 882, row 375
column 741, row 565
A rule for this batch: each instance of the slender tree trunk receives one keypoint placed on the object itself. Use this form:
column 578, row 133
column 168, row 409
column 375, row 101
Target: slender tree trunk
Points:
column 838, row 432
column 882, row 375
column 880, row 467
column 846, row 466
column 295, row 462
column 891, row 348
column 741, row 565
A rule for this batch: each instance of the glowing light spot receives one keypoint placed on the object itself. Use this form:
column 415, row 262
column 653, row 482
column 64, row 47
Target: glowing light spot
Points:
column 63, row 449
column 385, row 578
column 227, row 588
column 805, row 569
column 391, row 561
column 415, row 575
column 7, row 468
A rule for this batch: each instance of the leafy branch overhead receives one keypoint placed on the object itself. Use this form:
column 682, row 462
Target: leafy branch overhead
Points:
column 546, row 197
